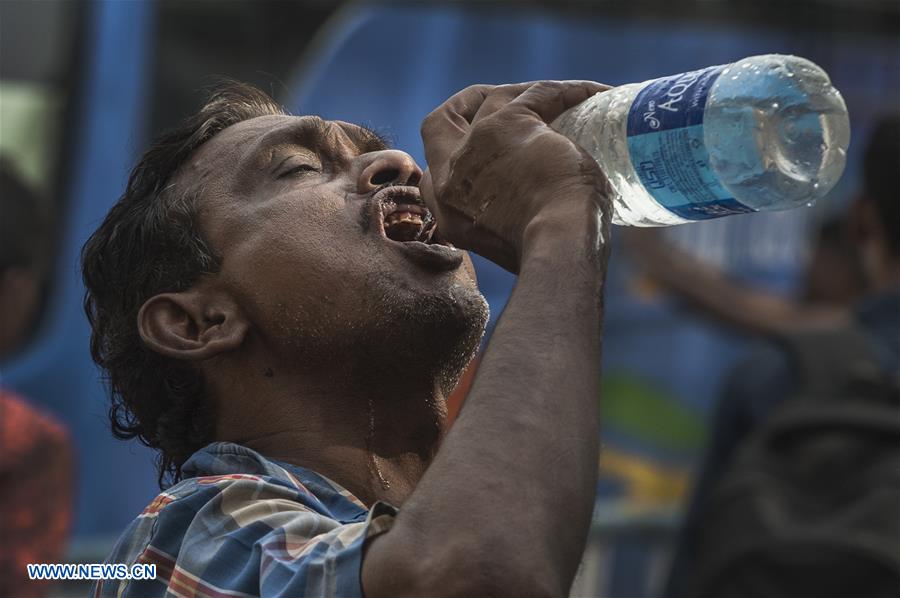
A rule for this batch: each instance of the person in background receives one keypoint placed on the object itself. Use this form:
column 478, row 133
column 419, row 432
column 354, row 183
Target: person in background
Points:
column 757, row 386
column 833, row 282
column 36, row 457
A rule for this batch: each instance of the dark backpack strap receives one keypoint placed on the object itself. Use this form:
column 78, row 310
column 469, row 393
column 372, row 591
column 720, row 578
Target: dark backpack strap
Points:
column 831, row 360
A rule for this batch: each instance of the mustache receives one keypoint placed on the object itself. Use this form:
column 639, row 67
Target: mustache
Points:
column 365, row 214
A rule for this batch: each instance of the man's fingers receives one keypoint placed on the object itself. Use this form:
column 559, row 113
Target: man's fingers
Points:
column 445, row 128
column 442, row 133
column 426, row 189
column 549, row 99
column 500, row 96
column 466, row 102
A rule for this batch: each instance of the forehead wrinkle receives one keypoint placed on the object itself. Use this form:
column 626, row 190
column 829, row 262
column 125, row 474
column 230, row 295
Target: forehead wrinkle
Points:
column 329, row 131
column 310, row 132
column 362, row 139
column 337, row 139
column 306, row 131
column 365, row 139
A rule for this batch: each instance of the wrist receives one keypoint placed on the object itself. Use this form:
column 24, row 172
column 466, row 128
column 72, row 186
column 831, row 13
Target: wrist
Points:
column 576, row 231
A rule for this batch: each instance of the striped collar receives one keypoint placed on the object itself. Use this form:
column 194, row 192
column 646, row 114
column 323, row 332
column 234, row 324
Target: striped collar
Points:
column 227, row 459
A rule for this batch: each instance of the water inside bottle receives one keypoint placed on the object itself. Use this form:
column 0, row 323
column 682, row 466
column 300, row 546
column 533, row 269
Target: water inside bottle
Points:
column 775, row 131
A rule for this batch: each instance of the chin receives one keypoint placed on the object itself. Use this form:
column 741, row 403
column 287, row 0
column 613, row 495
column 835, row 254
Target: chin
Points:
column 436, row 333
column 393, row 327
column 463, row 341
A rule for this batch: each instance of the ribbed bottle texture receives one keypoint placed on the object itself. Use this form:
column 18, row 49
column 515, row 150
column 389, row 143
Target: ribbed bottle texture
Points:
column 764, row 133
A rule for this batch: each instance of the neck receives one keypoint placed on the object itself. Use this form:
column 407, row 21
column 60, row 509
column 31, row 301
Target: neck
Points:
column 374, row 435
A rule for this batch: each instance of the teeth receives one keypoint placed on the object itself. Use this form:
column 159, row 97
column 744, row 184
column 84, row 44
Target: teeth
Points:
column 403, row 226
column 398, row 217
column 407, row 225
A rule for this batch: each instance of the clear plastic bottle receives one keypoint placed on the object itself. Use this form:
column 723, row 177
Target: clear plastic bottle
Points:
column 764, row 133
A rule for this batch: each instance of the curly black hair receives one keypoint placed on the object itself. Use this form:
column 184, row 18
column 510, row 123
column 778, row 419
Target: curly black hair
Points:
column 151, row 243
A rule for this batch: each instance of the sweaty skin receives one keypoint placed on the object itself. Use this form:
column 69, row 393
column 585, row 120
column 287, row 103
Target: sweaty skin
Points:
column 327, row 345
column 317, row 325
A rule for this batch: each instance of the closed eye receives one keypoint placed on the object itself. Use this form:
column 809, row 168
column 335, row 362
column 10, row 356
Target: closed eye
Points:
column 300, row 168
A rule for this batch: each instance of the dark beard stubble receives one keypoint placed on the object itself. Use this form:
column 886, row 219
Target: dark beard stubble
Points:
column 407, row 332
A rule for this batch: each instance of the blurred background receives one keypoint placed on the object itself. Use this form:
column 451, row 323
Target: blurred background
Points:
column 85, row 85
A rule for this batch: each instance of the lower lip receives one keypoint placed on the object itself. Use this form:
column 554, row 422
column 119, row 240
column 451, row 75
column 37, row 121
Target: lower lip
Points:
column 433, row 257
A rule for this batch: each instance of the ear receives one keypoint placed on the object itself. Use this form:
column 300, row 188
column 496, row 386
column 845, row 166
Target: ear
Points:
column 191, row 325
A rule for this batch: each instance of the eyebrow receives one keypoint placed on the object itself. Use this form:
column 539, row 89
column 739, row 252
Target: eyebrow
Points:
column 365, row 138
column 311, row 131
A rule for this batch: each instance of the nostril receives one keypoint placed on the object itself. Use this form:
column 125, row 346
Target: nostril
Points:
column 384, row 176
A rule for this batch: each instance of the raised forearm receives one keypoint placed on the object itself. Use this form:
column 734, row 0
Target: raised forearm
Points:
column 504, row 508
column 509, row 496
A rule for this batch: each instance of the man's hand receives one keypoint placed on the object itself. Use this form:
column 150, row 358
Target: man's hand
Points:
column 497, row 172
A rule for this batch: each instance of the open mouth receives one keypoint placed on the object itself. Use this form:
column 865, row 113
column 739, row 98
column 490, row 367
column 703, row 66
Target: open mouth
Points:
column 406, row 223
column 404, row 218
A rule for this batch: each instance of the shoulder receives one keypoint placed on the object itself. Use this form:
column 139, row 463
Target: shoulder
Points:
column 202, row 527
column 247, row 534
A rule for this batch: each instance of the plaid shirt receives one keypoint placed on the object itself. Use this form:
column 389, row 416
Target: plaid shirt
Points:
column 244, row 525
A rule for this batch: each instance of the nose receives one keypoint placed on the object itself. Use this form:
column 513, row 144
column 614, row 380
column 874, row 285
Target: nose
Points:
column 387, row 167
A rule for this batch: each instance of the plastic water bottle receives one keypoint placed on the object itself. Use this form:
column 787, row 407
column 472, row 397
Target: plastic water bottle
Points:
column 764, row 133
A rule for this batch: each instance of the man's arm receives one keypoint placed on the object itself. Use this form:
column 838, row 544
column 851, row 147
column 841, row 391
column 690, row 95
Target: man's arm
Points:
column 505, row 507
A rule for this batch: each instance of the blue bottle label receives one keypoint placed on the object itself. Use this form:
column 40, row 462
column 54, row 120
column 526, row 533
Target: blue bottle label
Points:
column 665, row 142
